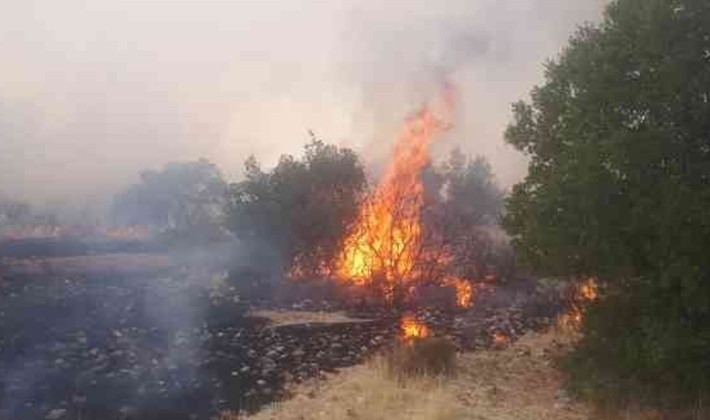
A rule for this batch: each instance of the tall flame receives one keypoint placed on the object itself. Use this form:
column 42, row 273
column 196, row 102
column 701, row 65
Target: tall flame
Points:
column 386, row 241
column 464, row 290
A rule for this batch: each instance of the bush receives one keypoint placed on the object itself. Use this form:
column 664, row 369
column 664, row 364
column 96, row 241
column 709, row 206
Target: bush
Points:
column 640, row 345
column 618, row 189
column 430, row 356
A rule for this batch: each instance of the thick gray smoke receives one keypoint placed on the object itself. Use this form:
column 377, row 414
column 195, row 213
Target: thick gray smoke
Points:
column 93, row 91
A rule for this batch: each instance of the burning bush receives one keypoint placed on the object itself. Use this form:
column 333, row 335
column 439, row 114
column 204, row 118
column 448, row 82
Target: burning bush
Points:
column 418, row 352
column 392, row 248
column 419, row 226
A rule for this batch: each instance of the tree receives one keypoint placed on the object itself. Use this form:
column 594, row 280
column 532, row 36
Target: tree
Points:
column 184, row 199
column 462, row 215
column 13, row 212
column 302, row 207
column 618, row 188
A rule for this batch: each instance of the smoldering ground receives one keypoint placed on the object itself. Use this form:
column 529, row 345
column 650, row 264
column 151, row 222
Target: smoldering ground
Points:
column 97, row 340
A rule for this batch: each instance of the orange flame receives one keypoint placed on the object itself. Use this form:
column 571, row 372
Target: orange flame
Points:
column 385, row 249
column 385, row 243
column 500, row 339
column 412, row 329
column 588, row 291
column 464, row 291
column 585, row 292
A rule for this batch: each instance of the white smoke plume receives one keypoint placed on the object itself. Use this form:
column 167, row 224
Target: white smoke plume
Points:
column 94, row 91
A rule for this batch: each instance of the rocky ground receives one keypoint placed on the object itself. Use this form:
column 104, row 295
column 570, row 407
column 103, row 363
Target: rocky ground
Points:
column 170, row 342
column 511, row 381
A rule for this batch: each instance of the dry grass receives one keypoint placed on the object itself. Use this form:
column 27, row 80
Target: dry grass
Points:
column 279, row 318
column 430, row 356
column 364, row 392
column 518, row 382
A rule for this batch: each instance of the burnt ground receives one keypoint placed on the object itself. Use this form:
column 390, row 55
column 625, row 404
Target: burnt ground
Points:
column 177, row 343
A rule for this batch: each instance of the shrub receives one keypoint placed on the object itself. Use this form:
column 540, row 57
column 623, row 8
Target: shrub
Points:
column 617, row 189
column 640, row 346
column 430, row 356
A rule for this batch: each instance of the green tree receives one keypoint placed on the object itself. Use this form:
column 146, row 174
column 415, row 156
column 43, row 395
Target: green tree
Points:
column 462, row 215
column 183, row 199
column 470, row 189
column 302, row 207
column 619, row 188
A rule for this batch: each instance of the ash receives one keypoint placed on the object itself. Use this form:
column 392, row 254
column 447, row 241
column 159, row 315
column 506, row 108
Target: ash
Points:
column 172, row 342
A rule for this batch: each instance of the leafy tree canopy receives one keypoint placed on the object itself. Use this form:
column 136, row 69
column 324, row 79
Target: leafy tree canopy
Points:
column 619, row 185
column 184, row 198
column 462, row 214
column 302, row 207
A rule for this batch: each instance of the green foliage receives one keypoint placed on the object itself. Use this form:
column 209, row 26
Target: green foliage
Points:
column 470, row 189
column 642, row 344
column 301, row 207
column 462, row 213
column 183, row 199
column 619, row 188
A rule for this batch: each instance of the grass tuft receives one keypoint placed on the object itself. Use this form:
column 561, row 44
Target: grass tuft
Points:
column 430, row 356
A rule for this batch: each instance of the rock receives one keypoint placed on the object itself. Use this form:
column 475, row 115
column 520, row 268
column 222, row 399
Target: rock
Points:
column 56, row 414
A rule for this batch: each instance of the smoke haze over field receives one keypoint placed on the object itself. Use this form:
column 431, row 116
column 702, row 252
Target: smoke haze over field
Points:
column 92, row 92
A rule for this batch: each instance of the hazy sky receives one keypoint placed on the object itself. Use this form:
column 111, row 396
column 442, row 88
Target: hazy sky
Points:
column 94, row 91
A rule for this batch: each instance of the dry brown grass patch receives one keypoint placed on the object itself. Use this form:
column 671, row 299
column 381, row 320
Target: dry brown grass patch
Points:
column 280, row 318
column 515, row 383
column 430, row 356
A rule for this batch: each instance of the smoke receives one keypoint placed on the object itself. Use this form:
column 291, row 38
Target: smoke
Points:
column 92, row 92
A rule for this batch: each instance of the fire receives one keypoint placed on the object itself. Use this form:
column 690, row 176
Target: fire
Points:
column 412, row 328
column 385, row 249
column 500, row 339
column 588, row 291
column 386, row 242
column 464, row 291
column 585, row 292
